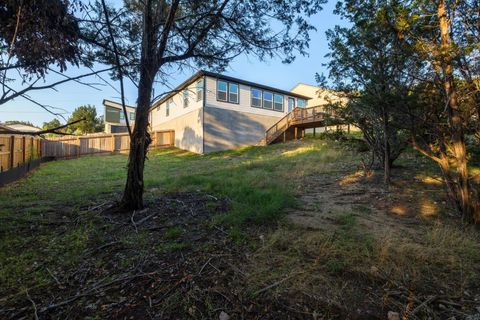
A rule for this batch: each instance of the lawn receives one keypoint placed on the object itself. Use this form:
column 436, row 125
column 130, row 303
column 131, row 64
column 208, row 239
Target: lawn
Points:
column 256, row 232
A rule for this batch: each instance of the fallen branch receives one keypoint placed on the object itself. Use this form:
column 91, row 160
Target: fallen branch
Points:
column 92, row 290
column 273, row 285
column 133, row 221
column 35, row 314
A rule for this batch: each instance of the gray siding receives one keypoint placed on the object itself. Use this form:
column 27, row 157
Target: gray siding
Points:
column 227, row 129
column 188, row 130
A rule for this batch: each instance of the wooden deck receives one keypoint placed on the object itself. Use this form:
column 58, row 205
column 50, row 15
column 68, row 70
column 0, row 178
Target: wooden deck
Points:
column 297, row 121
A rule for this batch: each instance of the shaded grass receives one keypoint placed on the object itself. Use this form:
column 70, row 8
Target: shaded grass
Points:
column 44, row 218
column 339, row 265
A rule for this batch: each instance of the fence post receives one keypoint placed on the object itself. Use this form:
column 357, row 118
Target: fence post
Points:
column 112, row 139
column 79, row 144
column 12, row 150
column 24, row 147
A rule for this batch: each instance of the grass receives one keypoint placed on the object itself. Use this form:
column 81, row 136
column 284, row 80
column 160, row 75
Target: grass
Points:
column 45, row 222
column 260, row 183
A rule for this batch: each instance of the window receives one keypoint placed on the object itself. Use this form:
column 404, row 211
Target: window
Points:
column 291, row 104
column 200, row 90
column 112, row 115
column 122, row 115
column 185, row 98
column 227, row 91
column 221, row 90
column 267, row 100
column 256, row 98
column 233, row 92
column 132, row 115
column 301, row 103
column 278, row 102
column 167, row 107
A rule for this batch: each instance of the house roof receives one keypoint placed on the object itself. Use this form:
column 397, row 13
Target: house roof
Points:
column 114, row 104
column 18, row 127
column 4, row 127
column 202, row 73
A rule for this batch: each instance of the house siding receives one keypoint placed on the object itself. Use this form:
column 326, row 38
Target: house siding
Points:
column 186, row 122
column 227, row 129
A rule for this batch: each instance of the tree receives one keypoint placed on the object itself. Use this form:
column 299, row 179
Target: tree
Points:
column 446, row 46
column 371, row 67
column 38, row 38
column 90, row 123
column 159, row 36
column 416, row 70
column 54, row 123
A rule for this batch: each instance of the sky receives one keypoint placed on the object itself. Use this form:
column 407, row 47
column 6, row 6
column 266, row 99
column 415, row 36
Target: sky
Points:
column 273, row 73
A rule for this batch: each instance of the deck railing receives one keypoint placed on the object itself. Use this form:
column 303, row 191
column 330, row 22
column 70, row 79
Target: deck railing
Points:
column 295, row 117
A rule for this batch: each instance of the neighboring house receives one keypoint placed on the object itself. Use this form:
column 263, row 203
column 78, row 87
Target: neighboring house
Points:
column 115, row 118
column 319, row 96
column 19, row 127
column 3, row 127
column 212, row 112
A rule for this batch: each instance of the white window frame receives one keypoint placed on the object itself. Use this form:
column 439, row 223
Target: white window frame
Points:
column 305, row 103
column 226, row 92
column 200, row 90
column 264, row 100
column 275, row 95
column 237, row 93
column 186, row 98
column 261, row 98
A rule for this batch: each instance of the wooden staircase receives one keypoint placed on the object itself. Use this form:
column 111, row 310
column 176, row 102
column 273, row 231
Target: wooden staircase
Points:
column 297, row 120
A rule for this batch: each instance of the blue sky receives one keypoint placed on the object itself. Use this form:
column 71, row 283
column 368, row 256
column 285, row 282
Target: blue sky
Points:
column 273, row 73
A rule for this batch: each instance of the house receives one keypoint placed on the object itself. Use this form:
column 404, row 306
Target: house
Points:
column 319, row 96
column 212, row 112
column 20, row 127
column 114, row 117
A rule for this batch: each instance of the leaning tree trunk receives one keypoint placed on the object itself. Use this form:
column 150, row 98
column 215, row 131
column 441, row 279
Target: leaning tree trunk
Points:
column 140, row 140
column 454, row 116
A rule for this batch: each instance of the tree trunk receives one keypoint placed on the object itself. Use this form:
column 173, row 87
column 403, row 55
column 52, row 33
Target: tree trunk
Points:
column 140, row 139
column 386, row 148
column 133, row 194
column 454, row 115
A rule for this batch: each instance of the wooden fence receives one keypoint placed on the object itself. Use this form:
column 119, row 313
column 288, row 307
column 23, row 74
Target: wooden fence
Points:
column 16, row 150
column 70, row 147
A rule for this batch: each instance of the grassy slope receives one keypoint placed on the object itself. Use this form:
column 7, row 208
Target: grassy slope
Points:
column 261, row 183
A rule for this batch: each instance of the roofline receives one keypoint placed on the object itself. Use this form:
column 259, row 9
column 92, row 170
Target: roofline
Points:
column 202, row 73
column 105, row 102
column 306, row 84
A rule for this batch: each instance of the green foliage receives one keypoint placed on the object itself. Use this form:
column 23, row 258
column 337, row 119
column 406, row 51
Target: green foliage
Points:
column 54, row 123
column 48, row 34
column 90, row 124
column 374, row 70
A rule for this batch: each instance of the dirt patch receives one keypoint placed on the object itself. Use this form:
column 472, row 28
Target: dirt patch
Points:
column 374, row 251
column 326, row 196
